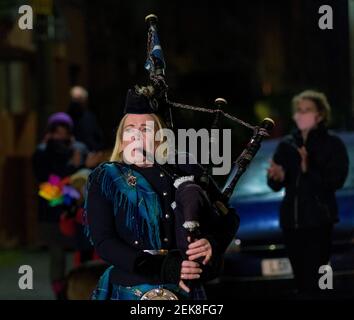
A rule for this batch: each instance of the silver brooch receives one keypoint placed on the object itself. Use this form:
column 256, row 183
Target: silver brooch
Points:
column 131, row 180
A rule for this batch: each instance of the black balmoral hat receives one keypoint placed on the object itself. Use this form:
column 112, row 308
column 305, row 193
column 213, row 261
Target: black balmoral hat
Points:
column 138, row 103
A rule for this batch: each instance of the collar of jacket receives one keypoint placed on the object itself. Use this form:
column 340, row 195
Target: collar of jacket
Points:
column 316, row 133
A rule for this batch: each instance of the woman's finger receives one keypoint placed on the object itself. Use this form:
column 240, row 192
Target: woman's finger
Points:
column 190, row 264
column 183, row 286
column 207, row 259
column 191, row 270
column 198, row 250
column 189, row 276
column 302, row 151
column 198, row 243
column 271, row 171
column 198, row 255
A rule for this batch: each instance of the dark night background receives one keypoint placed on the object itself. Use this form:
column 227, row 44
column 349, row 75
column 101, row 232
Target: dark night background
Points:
column 246, row 52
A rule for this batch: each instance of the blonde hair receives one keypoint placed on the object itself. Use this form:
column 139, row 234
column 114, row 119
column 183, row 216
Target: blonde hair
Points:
column 117, row 154
column 320, row 101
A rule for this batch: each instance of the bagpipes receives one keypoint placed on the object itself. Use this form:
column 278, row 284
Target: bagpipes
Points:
column 157, row 92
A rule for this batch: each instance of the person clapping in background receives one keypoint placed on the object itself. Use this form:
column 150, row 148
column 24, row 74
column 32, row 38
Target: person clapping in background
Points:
column 311, row 165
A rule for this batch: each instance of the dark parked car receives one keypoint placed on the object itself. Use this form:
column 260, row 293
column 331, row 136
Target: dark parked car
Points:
column 258, row 253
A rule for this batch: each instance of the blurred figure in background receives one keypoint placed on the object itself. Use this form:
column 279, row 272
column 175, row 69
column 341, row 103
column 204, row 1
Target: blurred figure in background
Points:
column 311, row 165
column 58, row 155
column 86, row 128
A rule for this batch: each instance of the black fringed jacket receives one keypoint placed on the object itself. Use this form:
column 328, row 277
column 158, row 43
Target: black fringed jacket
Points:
column 120, row 243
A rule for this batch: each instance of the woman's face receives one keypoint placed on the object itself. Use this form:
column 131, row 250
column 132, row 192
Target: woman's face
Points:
column 138, row 133
column 306, row 115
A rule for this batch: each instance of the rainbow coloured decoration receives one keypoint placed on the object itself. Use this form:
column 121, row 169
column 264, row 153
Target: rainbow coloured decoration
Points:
column 58, row 191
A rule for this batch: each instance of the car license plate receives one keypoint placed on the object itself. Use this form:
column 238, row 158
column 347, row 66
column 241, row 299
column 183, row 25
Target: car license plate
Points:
column 276, row 267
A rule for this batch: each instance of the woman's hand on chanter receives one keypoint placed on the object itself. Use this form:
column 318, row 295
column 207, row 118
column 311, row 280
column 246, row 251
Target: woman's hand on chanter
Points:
column 200, row 248
column 190, row 270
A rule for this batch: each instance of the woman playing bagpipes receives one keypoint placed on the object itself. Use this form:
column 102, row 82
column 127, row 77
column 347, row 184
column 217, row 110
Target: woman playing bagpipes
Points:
column 162, row 226
column 135, row 212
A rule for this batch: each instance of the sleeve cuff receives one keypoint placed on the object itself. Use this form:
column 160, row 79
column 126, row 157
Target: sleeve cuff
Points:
column 166, row 269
